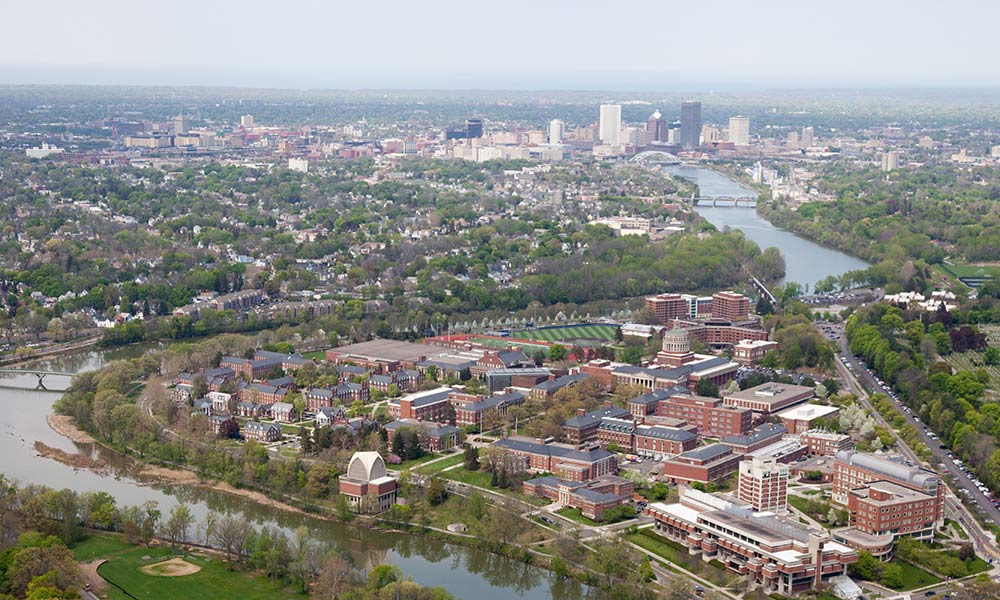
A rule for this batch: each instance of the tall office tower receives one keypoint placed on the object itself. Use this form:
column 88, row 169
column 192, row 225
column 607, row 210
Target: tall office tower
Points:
column 246, row 121
column 807, row 137
column 739, row 130
column 473, row 128
column 674, row 133
column 890, row 160
column 611, row 124
column 793, row 140
column 656, row 127
column 690, row 124
column 182, row 124
column 555, row 131
column 763, row 484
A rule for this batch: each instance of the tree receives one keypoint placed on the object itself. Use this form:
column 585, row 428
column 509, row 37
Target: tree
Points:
column 539, row 357
column 966, row 552
column 764, row 307
column 471, row 458
column 383, row 575
column 557, row 352
column 867, row 567
column 231, row 533
column 436, row 491
column 705, row 387
column 176, row 527
column 892, row 576
column 336, row 578
column 632, row 355
column 992, row 356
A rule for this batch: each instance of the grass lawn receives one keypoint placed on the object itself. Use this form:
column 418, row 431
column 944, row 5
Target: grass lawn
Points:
column 212, row 582
column 482, row 479
column 913, row 576
column 442, row 464
column 677, row 554
column 409, row 464
column 573, row 332
column 320, row 354
column 574, row 514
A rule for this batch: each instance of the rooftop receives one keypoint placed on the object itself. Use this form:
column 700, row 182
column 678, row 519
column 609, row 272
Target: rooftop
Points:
column 807, row 412
column 913, row 475
column 391, row 350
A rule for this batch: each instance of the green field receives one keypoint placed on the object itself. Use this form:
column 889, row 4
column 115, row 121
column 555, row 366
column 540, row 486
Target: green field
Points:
column 442, row 464
column 677, row 554
column 568, row 334
column 574, row 514
column 212, row 582
column 913, row 576
column 973, row 270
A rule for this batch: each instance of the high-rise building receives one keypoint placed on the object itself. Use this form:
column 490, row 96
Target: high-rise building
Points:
column 656, row 128
column 473, row 128
column 807, row 137
column 690, row 124
column 730, row 306
column 674, row 133
column 555, row 131
column 739, row 130
column 793, row 140
column 764, row 484
column 611, row 124
column 246, row 121
column 890, row 160
column 182, row 124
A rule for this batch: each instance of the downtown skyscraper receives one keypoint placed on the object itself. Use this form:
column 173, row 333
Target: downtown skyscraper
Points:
column 690, row 124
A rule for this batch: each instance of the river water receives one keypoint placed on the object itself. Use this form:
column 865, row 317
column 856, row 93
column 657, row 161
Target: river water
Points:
column 805, row 262
column 465, row 572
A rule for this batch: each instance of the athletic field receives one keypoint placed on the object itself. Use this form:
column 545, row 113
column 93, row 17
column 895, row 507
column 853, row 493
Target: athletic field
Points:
column 571, row 334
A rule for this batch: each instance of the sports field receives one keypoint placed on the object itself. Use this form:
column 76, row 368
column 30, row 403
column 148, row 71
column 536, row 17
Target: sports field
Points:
column 974, row 271
column 202, row 576
column 571, row 333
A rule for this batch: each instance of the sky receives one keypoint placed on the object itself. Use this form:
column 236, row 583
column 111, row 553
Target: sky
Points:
column 503, row 44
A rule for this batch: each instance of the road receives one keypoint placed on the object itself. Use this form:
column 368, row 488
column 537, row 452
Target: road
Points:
column 862, row 382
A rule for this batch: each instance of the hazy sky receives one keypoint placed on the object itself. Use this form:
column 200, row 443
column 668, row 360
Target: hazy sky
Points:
column 580, row 44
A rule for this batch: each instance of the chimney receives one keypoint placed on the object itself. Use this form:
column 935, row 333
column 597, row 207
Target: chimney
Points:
column 580, row 412
column 608, row 404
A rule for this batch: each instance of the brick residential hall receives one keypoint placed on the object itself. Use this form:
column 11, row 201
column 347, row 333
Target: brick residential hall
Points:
column 564, row 461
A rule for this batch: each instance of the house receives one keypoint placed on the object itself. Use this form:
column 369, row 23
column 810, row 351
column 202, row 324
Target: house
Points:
column 349, row 393
column 261, row 393
column 220, row 401
column 327, row 416
column 592, row 499
column 283, row 411
column 261, row 432
column 224, row 425
column 203, row 406
column 183, row 393
column 250, row 410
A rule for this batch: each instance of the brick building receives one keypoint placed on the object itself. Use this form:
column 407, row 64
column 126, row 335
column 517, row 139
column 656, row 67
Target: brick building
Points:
column 825, row 443
column 768, row 398
column 763, row 484
column 762, row 436
column 366, row 485
column 592, row 498
column 429, row 405
column 705, row 464
column 566, row 462
column 730, row 306
column 709, row 415
column 853, row 470
column 583, row 427
column 802, row 418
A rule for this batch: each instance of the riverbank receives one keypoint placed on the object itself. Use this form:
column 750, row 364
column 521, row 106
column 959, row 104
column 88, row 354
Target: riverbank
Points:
column 77, row 461
column 64, row 426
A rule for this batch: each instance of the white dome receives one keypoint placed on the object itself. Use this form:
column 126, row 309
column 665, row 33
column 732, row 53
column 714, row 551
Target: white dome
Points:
column 366, row 466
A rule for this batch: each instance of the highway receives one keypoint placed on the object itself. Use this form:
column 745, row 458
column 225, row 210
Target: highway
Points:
column 862, row 382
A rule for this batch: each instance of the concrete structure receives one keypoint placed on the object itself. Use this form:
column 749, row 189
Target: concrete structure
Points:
column 704, row 465
column 690, row 124
column 556, row 129
column 801, row 418
column 781, row 555
column 769, row 398
column 764, row 484
column 611, row 124
column 739, row 130
column 890, row 160
column 366, row 485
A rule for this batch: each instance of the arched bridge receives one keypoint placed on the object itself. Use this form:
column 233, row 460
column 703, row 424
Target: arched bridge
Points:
column 655, row 157
column 735, row 201
column 41, row 374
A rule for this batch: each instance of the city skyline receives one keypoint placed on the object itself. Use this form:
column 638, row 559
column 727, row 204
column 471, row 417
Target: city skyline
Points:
column 792, row 46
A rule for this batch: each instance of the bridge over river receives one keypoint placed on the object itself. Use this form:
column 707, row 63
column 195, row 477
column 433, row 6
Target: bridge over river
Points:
column 40, row 374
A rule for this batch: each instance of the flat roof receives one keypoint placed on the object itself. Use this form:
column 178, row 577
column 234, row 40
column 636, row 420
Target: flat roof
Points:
column 914, row 475
column 807, row 412
column 393, row 350
column 772, row 392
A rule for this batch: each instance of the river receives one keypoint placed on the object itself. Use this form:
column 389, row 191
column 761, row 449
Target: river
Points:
column 806, row 262
column 465, row 572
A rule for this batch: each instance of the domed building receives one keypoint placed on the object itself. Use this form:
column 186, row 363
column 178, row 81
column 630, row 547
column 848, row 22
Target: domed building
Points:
column 676, row 349
column 367, row 485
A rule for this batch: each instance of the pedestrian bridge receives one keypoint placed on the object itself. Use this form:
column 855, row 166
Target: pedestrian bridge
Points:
column 41, row 374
